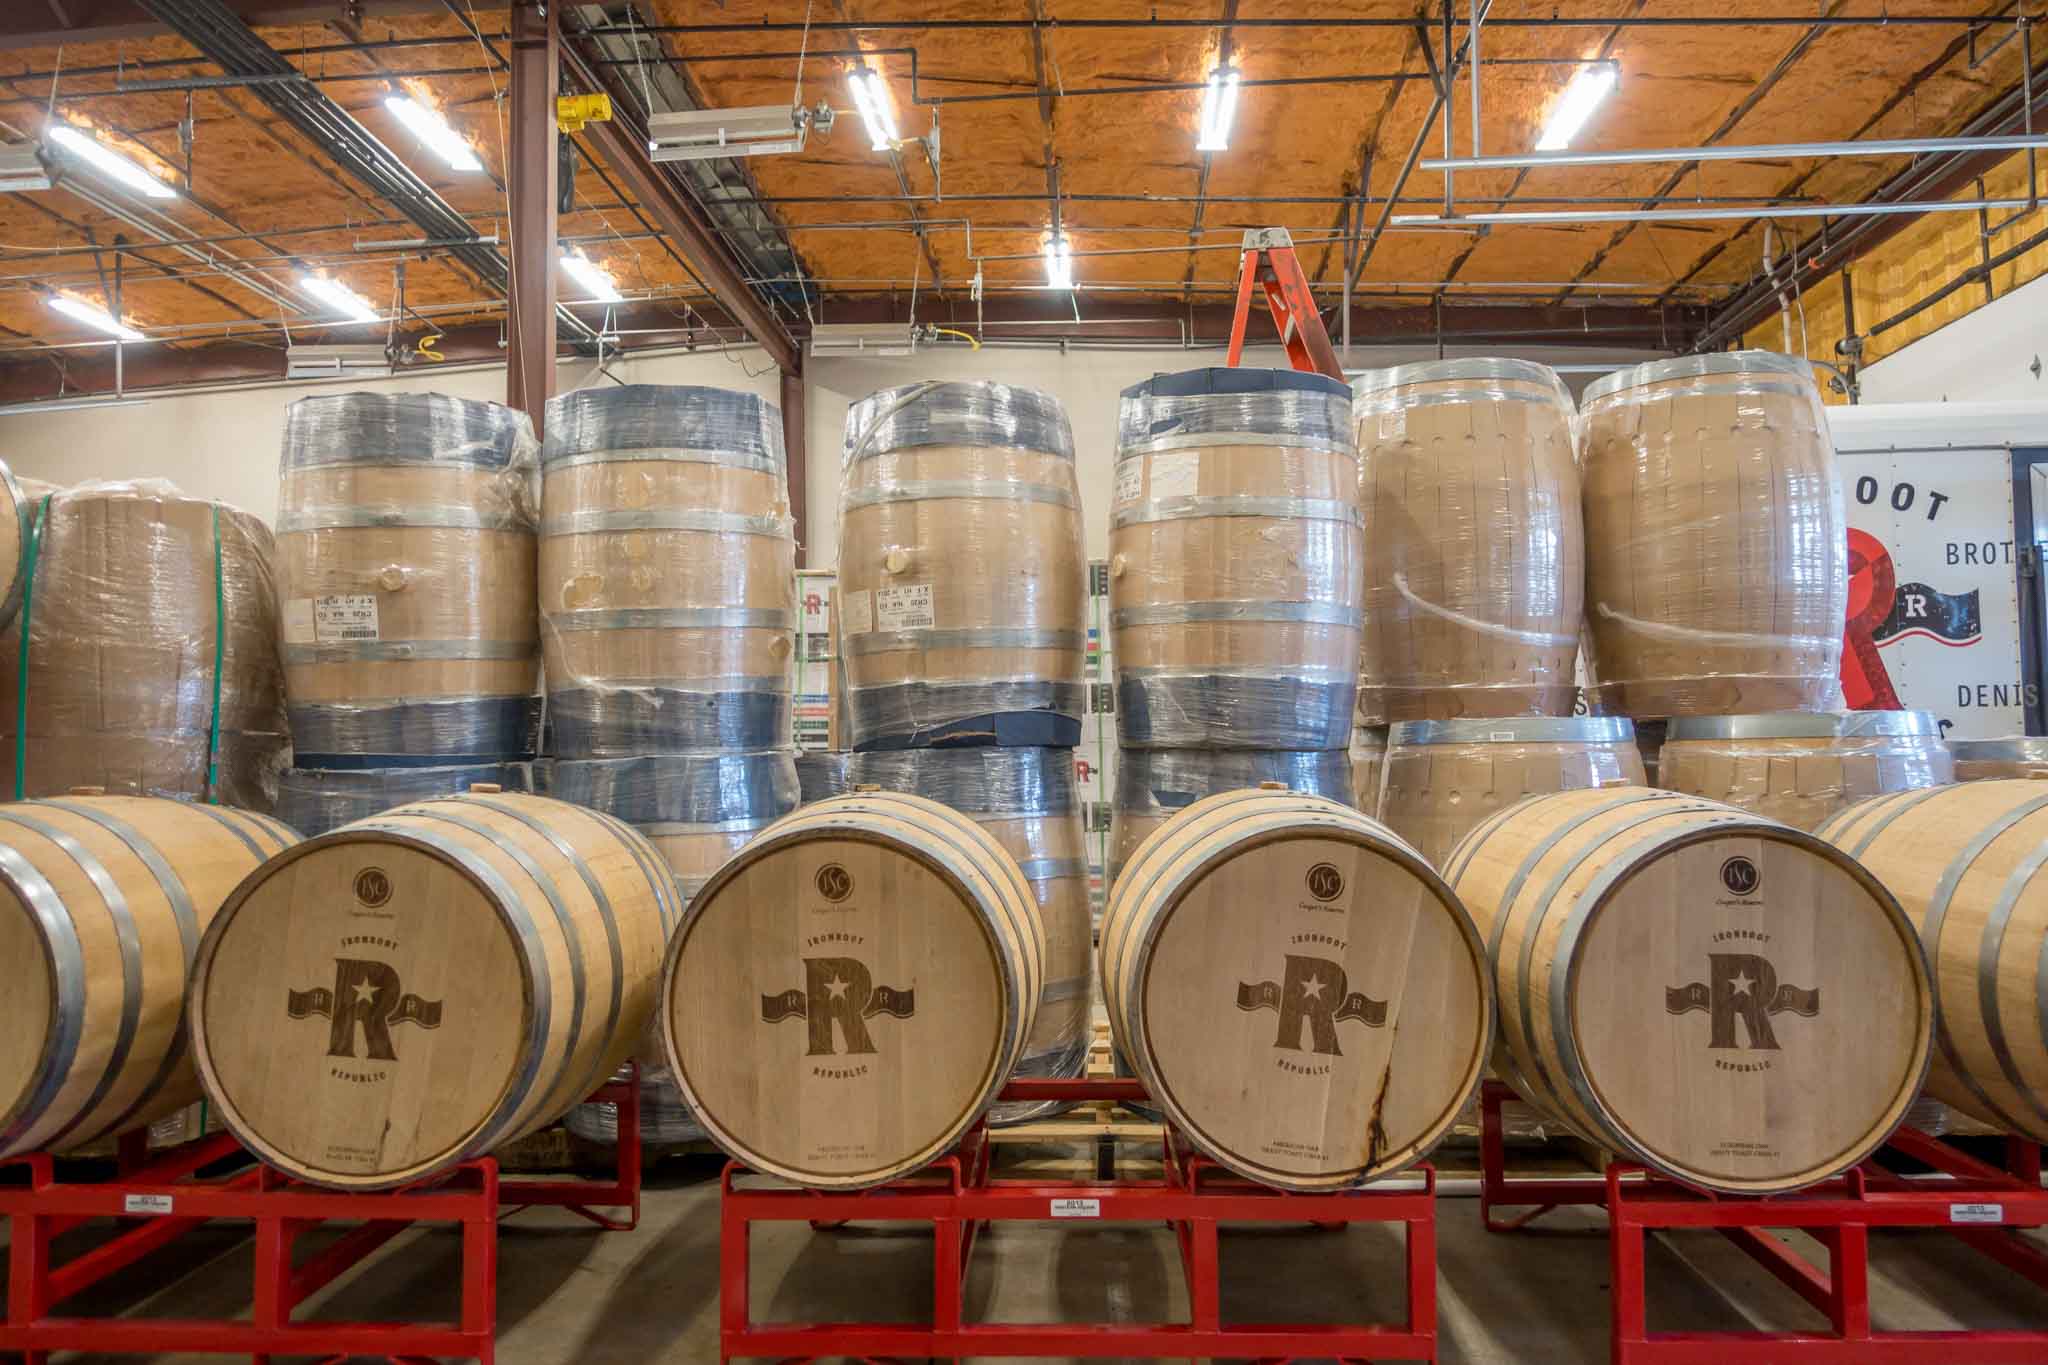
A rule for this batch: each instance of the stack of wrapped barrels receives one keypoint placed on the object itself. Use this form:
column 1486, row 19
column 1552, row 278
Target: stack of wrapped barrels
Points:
column 1464, row 730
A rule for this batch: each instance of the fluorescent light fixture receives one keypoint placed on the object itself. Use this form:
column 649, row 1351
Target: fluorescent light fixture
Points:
column 702, row 134
column 1581, row 98
column 863, row 338
column 1059, row 263
column 109, row 162
column 22, row 167
column 339, row 297
column 72, row 405
column 1219, row 108
column 871, row 97
column 366, row 361
column 593, row 277
column 430, row 128
column 1753, row 151
column 93, row 317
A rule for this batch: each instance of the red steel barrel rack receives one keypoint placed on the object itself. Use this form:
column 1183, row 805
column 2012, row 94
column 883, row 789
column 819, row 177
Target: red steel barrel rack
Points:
column 160, row 1197
column 1983, row 1205
column 959, row 1196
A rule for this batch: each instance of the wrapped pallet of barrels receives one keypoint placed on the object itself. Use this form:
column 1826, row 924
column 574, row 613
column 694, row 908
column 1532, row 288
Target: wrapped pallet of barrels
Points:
column 1803, row 766
column 1443, row 777
column 150, row 664
column 961, row 571
column 1025, row 798
column 1154, row 785
column 697, row 810
column 1720, row 997
column 1236, row 562
column 315, row 801
column 2010, row 756
column 107, row 897
column 405, row 563
column 1475, row 573
column 846, row 996
column 823, row 773
column 17, row 509
column 1368, row 766
column 1717, row 569
column 667, row 572
column 413, row 990
column 1965, row 861
column 1302, row 996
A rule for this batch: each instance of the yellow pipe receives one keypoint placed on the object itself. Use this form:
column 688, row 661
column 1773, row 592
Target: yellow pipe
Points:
column 954, row 332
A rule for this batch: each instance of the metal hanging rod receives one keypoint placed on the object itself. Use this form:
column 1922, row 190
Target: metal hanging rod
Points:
column 1686, row 215
column 1603, row 21
column 1775, row 151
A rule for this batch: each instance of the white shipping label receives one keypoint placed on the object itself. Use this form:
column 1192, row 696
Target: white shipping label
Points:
column 1976, row 1213
column 153, row 1204
column 345, row 618
column 906, row 608
column 856, row 613
column 298, row 621
column 1175, row 473
column 1130, row 481
column 1077, row 1208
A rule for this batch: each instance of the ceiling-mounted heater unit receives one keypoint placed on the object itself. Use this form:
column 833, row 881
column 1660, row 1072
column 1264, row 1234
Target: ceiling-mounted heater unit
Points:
column 863, row 338
column 367, row 361
column 22, row 167
column 763, row 130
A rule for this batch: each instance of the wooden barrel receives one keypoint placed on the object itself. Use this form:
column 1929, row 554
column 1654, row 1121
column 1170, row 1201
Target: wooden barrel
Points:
column 1154, row 785
column 106, row 899
column 1257, row 956
column 316, row 801
column 846, row 996
column 415, row 989
column 1475, row 577
column 2011, row 756
column 1720, row 997
column 696, row 809
column 961, row 569
column 1236, row 562
column 1965, row 861
column 667, row 571
column 1446, row 776
column 1717, row 569
column 405, row 561
column 16, row 514
column 1803, row 766
column 1368, row 767
column 1024, row 798
column 822, row 773
column 152, row 662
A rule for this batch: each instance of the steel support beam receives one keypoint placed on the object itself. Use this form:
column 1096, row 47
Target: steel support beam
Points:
column 531, row 179
column 796, row 445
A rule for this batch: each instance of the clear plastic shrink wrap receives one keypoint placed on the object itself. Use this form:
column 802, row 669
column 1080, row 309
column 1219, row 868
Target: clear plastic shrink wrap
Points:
column 1475, row 569
column 823, row 773
column 665, row 1120
column 696, row 809
column 1717, row 570
column 316, row 800
column 151, row 662
column 961, row 571
column 1445, row 777
column 667, row 571
column 1236, row 562
column 1024, row 798
column 405, row 555
column 2010, row 756
column 1802, row 767
column 1368, row 766
column 1153, row 785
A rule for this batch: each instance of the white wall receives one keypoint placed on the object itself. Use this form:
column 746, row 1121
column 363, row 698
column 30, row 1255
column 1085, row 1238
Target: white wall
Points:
column 1984, row 356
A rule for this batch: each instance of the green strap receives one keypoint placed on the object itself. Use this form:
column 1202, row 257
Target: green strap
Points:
column 220, row 644
column 28, row 595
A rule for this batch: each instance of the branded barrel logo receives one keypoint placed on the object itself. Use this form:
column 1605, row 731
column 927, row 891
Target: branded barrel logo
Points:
column 1313, row 994
column 366, row 997
column 1740, row 876
column 373, row 887
column 1744, row 987
column 1325, row 882
column 838, row 991
column 834, row 882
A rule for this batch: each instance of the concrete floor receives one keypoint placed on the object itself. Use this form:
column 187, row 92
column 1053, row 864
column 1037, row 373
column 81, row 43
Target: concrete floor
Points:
column 571, row 1295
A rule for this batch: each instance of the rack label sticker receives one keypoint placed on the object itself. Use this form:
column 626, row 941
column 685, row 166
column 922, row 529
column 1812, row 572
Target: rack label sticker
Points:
column 856, row 613
column 1130, row 481
column 1077, row 1208
column 1175, row 474
column 905, row 608
column 1976, row 1213
column 155, row 1204
column 345, row 618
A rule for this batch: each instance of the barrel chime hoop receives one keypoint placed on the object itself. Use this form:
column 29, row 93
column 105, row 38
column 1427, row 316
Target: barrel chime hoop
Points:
column 67, row 967
column 1901, row 803
column 1989, row 951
